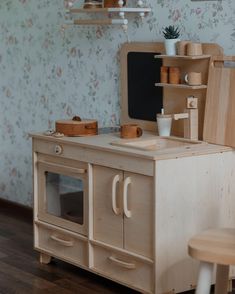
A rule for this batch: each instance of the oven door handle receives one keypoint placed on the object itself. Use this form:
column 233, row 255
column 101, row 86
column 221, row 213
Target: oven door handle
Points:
column 62, row 167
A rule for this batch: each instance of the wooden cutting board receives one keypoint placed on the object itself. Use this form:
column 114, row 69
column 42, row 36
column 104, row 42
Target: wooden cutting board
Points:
column 219, row 121
column 75, row 128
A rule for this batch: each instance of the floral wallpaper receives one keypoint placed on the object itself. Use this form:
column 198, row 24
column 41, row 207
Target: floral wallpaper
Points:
column 47, row 73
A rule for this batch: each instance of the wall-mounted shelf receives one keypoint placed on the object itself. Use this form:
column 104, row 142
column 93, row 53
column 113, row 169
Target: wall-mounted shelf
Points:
column 109, row 10
column 196, row 57
column 180, row 86
column 114, row 16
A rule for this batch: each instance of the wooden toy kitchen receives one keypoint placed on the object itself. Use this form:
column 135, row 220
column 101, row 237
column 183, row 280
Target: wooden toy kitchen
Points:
column 126, row 208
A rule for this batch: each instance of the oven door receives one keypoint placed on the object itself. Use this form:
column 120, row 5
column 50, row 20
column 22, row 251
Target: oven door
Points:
column 63, row 195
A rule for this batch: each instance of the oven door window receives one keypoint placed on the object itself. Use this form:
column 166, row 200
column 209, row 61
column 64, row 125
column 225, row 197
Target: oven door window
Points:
column 64, row 197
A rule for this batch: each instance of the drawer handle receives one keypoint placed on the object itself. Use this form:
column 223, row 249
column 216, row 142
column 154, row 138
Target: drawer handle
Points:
column 67, row 243
column 122, row 263
column 116, row 210
column 127, row 182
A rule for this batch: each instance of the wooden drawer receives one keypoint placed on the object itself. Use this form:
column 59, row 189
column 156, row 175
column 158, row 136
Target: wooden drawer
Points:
column 59, row 149
column 93, row 155
column 62, row 245
column 123, row 268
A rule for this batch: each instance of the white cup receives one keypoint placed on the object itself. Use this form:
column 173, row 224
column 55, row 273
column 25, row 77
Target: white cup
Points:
column 164, row 124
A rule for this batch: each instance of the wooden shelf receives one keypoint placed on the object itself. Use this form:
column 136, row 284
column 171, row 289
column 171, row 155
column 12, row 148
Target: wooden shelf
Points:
column 196, row 57
column 110, row 10
column 120, row 17
column 107, row 21
column 180, row 86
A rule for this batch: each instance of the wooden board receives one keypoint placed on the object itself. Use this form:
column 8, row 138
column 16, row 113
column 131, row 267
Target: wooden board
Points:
column 220, row 102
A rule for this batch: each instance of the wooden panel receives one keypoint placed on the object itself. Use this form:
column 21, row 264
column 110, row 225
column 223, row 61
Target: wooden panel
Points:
column 193, row 194
column 138, row 229
column 62, row 245
column 95, row 151
column 108, row 227
column 220, row 103
column 173, row 98
column 124, row 269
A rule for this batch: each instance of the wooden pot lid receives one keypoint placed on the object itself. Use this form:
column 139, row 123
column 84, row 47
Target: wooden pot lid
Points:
column 220, row 102
column 73, row 127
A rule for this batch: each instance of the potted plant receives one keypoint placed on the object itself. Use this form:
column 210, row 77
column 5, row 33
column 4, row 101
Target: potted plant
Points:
column 171, row 35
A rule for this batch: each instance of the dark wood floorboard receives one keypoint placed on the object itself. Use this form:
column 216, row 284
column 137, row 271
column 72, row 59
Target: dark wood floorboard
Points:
column 21, row 272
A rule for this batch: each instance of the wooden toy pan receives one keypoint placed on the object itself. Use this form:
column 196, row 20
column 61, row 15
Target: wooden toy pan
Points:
column 76, row 127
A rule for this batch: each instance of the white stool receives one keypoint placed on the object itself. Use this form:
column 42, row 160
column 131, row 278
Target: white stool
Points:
column 213, row 247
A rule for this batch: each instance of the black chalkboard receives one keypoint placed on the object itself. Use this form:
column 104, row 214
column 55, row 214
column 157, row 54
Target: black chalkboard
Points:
column 144, row 98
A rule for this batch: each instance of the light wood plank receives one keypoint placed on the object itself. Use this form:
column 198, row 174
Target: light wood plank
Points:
column 220, row 103
column 200, row 196
column 108, row 227
column 183, row 57
column 181, row 86
column 138, row 229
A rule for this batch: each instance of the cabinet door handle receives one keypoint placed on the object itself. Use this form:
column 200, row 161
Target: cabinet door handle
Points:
column 116, row 210
column 127, row 182
column 121, row 263
column 67, row 243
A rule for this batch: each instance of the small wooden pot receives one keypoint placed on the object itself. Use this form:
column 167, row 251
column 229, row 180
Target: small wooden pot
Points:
column 164, row 74
column 174, row 75
column 73, row 128
column 112, row 3
column 194, row 49
column 182, row 47
column 91, row 4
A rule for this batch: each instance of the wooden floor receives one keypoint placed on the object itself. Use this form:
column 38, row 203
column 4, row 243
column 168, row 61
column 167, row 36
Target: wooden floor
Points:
column 20, row 271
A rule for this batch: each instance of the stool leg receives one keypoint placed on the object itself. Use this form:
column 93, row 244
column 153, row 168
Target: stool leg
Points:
column 222, row 275
column 204, row 278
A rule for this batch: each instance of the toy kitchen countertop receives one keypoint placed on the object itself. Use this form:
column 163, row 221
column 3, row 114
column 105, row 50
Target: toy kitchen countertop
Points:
column 137, row 195
column 149, row 146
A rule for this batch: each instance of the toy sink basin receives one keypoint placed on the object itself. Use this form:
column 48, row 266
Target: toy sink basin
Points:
column 155, row 143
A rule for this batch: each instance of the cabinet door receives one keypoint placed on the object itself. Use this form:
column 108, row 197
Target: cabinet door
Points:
column 108, row 225
column 139, row 225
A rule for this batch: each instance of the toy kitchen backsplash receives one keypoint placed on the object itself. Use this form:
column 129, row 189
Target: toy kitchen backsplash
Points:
column 47, row 74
